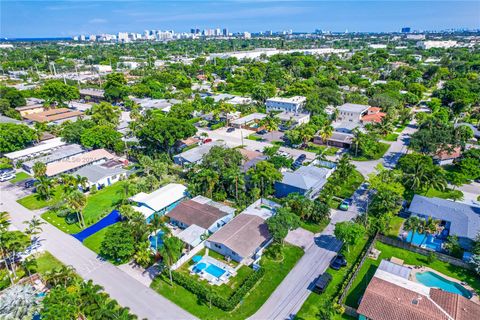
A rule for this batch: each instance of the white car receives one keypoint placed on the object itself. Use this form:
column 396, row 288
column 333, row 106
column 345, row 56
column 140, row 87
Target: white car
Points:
column 7, row 177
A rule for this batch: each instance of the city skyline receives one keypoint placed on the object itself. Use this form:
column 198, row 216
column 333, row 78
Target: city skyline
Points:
column 69, row 18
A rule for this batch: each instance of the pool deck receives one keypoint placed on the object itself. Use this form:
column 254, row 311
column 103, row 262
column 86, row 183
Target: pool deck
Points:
column 229, row 271
column 415, row 270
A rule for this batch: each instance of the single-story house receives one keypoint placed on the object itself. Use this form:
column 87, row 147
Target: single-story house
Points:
column 390, row 296
column 57, row 115
column 293, row 119
column 36, row 151
column 251, row 158
column 33, row 106
column 53, row 155
column 185, row 143
column 201, row 211
column 337, row 139
column 461, row 219
column 4, row 119
column 70, row 164
column 245, row 237
column 306, row 180
column 93, row 95
column 444, row 157
column 101, row 175
column 249, row 121
column 159, row 201
column 345, row 127
column 195, row 155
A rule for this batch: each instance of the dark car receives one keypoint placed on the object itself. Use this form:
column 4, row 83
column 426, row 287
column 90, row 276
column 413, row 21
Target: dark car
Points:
column 338, row 262
column 29, row 183
column 322, row 282
column 230, row 129
column 302, row 157
column 262, row 132
column 345, row 204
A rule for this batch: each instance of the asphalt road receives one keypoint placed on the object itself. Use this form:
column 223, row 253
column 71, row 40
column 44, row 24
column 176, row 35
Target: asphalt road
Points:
column 142, row 301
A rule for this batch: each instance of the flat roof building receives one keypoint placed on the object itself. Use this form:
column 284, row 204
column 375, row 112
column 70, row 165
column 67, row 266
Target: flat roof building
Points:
column 57, row 116
column 351, row 112
column 57, row 154
column 37, row 150
column 76, row 162
column 293, row 104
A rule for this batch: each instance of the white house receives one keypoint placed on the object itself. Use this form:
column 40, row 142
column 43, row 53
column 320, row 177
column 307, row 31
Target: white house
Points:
column 293, row 104
column 351, row 112
column 101, row 175
column 160, row 201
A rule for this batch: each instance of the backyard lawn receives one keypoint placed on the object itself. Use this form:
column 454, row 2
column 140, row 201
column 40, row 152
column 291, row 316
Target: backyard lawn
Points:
column 32, row 202
column 20, row 176
column 411, row 258
column 315, row 301
column 98, row 206
column 395, row 226
column 383, row 147
column 274, row 274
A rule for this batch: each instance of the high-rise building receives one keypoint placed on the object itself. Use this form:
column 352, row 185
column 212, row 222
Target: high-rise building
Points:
column 406, row 30
column 247, row 35
column 225, row 32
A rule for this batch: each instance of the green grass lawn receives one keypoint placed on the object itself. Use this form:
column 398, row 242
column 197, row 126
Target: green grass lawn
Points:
column 20, row 176
column 395, row 226
column 254, row 137
column 350, row 185
column 275, row 272
column 315, row 301
column 32, row 202
column 328, row 151
column 314, row 227
column 103, row 202
column 391, row 137
column 400, row 128
column 411, row 258
column 98, row 205
column 95, row 240
column 383, row 147
column 47, row 262
column 446, row 194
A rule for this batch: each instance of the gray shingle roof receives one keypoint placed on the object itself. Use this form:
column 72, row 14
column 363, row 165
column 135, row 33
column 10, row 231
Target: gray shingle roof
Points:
column 194, row 155
column 94, row 173
column 464, row 218
column 307, row 178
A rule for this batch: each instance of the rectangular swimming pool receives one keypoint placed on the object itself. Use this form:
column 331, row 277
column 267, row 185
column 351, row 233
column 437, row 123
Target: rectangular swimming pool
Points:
column 433, row 280
column 215, row 270
column 429, row 241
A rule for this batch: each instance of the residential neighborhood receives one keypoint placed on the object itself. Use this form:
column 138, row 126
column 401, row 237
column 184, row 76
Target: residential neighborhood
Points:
column 232, row 174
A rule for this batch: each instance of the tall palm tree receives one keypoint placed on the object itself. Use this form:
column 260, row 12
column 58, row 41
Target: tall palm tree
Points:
column 171, row 251
column 44, row 187
column 29, row 264
column 430, row 227
column 271, row 123
column 39, row 169
column 414, row 224
column 81, row 181
column 77, row 202
column 357, row 137
column 156, row 225
column 326, row 132
column 34, row 226
column 435, row 178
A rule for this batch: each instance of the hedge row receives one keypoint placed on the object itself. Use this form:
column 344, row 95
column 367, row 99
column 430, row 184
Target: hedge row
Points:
column 203, row 293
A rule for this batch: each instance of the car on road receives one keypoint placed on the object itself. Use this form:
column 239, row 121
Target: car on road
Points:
column 299, row 161
column 5, row 172
column 345, row 205
column 262, row 132
column 230, row 129
column 338, row 262
column 207, row 140
column 29, row 183
column 322, row 283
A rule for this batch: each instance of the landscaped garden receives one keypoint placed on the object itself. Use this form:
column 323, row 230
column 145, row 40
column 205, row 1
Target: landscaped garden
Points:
column 410, row 258
column 274, row 272
column 326, row 150
column 377, row 153
column 34, row 202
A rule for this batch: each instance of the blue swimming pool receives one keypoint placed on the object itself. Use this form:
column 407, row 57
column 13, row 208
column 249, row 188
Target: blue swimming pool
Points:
column 215, row 271
column 430, row 241
column 153, row 240
column 433, row 280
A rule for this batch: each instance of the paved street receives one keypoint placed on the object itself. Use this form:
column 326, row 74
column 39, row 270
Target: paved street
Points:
column 129, row 292
column 470, row 191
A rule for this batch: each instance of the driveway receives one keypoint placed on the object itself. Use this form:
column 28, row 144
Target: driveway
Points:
column 142, row 301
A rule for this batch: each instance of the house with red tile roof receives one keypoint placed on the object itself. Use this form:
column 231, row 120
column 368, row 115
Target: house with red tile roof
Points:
column 373, row 115
column 392, row 297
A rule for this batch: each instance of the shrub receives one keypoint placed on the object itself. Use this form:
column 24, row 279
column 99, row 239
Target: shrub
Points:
column 217, row 125
column 207, row 295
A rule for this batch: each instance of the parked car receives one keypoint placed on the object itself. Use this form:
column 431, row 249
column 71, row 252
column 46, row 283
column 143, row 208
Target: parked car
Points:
column 7, row 177
column 262, row 132
column 345, row 204
column 230, row 129
column 29, row 183
column 322, row 283
column 207, row 140
column 338, row 262
column 4, row 172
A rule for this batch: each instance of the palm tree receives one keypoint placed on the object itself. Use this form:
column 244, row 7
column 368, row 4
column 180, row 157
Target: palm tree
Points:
column 170, row 251
column 29, row 264
column 64, row 274
column 325, row 133
column 357, row 136
column 270, row 122
column 77, row 202
column 82, row 182
column 34, row 226
column 156, row 225
column 44, row 187
column 435, row 179
column 414, row 224
column 384, row 127
column 39, row 169
column 4, row 221
column 143, row 254
column 430, row 226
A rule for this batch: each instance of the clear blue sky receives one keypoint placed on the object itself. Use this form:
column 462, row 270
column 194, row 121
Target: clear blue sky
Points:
column 67, row 18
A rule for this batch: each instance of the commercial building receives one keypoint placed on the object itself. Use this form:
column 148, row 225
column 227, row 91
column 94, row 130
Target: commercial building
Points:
column 306, row 180
column 54, row 116
column 34, row 105
column 36, row 151
column 436, row 44
column 160, row 201
column 293, row 104
column 53, row 155
column 71, row 164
